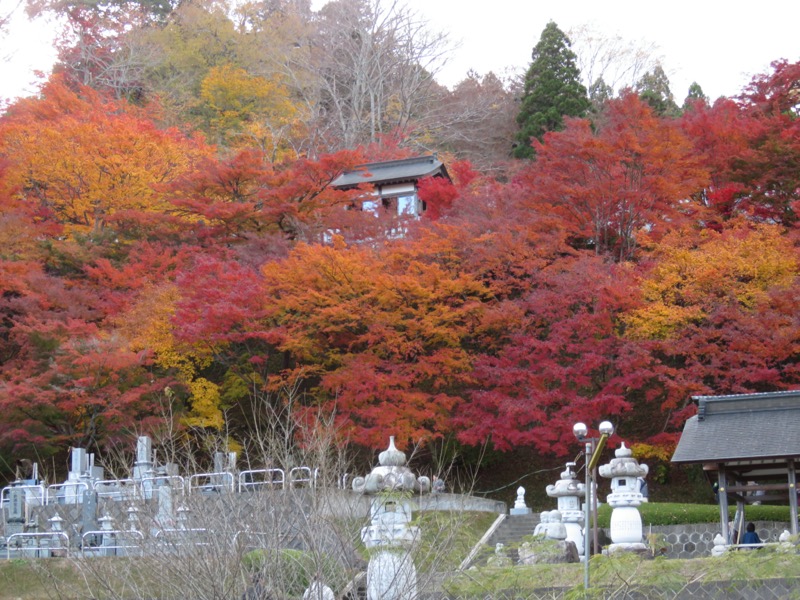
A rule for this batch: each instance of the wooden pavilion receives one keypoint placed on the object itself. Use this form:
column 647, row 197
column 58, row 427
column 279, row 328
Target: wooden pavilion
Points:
column 751, row 444
column 394, row 183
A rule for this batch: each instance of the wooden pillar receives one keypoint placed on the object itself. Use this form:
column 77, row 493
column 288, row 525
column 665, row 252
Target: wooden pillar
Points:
column 792, row 496
column 722, row 494
column 739, row 519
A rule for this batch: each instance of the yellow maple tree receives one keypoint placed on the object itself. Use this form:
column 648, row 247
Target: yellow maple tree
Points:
column 246, row 110
column 148, row 327
column 692, row 276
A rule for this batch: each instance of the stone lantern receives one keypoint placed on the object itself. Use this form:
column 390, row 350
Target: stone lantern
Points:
column 624, row 472
column 391, row 475
column 569, row 493
column 391, row 574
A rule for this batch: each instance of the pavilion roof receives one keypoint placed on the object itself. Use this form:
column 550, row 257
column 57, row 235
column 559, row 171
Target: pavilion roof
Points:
column 742, row 428
column 393, row 171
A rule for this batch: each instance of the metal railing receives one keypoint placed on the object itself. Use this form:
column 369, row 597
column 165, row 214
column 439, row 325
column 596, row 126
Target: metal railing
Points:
column 212, row 482
column 263, row 539
column 148, row 484
column 104, row 548
column 184, row 536
column 117, row 489
column 50, row 536
column 37, row 492
column 303, row 475
column 61, row 493
column 256, row 479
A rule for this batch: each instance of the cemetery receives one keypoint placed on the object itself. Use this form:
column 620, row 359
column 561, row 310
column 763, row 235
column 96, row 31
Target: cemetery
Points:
column 298, row 532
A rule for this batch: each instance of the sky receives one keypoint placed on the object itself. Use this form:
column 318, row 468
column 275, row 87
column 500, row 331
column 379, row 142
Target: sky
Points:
column 720, row 45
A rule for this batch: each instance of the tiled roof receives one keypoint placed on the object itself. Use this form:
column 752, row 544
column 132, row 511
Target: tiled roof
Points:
column 742, row 427
column 394, row 171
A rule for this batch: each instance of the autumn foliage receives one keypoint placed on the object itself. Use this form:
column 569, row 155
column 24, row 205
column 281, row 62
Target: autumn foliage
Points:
column 638, row 260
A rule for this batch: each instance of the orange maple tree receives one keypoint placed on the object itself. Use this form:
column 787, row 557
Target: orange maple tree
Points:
column 83, row 157
column 380, row 339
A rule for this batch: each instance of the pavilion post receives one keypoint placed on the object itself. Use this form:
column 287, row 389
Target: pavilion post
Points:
column 792, row 473
column 722, row 494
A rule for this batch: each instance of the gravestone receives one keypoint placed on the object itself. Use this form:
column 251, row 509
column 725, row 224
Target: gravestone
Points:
column 89, row 511
column 144, row 458
column 164, row 516
column 15, row 521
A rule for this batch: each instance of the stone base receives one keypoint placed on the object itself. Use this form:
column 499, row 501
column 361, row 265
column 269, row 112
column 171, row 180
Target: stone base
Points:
column 636, row 547
column 520, row 511
column 548, row 552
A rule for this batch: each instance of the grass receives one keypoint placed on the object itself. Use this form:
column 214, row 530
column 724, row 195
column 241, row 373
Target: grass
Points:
column 667, row 513
column 447, row 537
column 623, row 570
column 35, row 579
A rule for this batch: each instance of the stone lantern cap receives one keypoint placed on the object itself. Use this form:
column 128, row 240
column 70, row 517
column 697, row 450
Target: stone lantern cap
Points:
column 624, row 465
column 568, row 485
column 391, row 474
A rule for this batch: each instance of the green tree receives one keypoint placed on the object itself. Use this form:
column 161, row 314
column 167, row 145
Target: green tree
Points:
column 599, row 95
column 653, row 88
column 694, row 94
column 553, row 90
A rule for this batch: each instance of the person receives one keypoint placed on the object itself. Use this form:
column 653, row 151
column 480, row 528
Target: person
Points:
column 643, row 489
column 750, row 536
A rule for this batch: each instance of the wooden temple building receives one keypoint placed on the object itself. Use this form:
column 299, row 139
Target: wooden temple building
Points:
column 749, row 444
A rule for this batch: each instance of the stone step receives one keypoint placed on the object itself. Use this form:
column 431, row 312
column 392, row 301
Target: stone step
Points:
column 510, row 533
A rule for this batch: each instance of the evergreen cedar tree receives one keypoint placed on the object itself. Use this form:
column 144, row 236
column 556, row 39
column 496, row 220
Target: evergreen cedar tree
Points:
column 553, row 90
column 653, row 88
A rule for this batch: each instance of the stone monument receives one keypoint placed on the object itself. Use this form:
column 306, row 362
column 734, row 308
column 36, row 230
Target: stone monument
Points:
column 500, row 558
column 624, row 472
column 391, row 574
column 520, row 508
column 569, row 491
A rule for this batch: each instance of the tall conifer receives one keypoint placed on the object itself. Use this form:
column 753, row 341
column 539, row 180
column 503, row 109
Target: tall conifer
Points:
column 553, row 89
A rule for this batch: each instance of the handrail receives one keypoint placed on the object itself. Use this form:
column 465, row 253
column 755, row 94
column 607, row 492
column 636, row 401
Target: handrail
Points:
column 54, row 498
column 181, row 530
column 120, row 533
column 222, row 475
column 174, row 534
column 245, row 532
column 122, row 487
column 309, row 476
column 42, row 496
column 172, row 480
column 482, row 542
column 28, row 535
column 279, row 481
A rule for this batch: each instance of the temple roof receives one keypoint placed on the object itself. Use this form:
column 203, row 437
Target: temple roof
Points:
column 742, row 428
column 393, row 171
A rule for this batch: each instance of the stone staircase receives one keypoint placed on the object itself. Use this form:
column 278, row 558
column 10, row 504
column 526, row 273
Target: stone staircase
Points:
column 510, row 533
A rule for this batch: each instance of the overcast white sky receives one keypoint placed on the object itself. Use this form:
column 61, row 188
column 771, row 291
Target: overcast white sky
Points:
column 718, row 44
